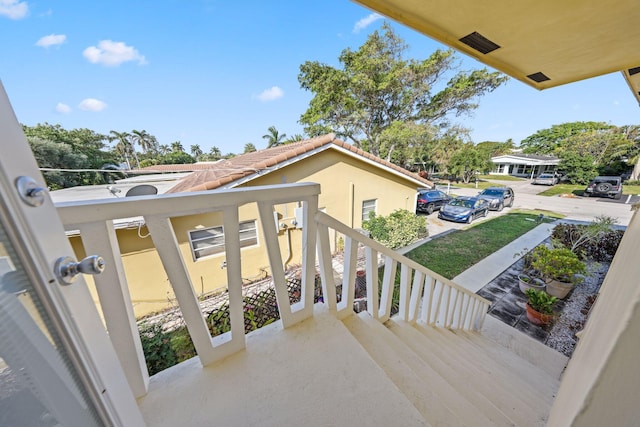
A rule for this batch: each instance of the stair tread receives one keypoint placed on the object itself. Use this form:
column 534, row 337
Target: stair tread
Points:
column 439, row 401
column 518, row 375
column 476, row 383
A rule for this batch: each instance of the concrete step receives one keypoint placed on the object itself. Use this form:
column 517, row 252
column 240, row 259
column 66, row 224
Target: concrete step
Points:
column 517, row 377
column 543, row 381
column 484, row 384
column 435, row 398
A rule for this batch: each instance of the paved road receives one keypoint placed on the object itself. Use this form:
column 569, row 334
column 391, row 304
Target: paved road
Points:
column 576, row 208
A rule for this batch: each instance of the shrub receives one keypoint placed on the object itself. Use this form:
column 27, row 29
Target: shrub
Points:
column 560, row 264
column 399, row 229
column 156, row 345
column 596, row 241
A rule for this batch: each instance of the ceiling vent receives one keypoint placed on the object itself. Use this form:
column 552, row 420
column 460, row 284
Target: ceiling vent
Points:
column 479, row 43
column 538, row 77
column 633, row 71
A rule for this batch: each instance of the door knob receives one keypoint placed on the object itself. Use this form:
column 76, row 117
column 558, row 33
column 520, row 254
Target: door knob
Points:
column 66, row 268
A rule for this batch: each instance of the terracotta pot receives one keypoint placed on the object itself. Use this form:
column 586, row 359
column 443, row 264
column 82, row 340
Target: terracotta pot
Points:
column 559, row 289
column 538, row 318
column 533, row 283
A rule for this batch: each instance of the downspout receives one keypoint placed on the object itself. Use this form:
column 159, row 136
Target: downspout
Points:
column 351, row 204
column 290, row 256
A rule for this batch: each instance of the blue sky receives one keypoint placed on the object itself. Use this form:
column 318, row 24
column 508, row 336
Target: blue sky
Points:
column 219, row 73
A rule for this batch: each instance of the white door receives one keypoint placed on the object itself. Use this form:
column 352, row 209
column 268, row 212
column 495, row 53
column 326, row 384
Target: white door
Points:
column 57, row 365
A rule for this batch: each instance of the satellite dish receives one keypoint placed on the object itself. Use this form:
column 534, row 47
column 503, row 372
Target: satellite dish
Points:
column 142, row 190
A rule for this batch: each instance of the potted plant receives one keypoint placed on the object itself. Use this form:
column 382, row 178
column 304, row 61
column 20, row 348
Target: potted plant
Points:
column 540, row 307
column 560, row 267
column 527, row 282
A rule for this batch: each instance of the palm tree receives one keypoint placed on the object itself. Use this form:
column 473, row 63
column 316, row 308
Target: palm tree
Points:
column 249, row 148
column 163, row 149
column 196, row 151
column 124, row 147
column 273, row 138
column 215, row 153
column 176, row 146
column 295, row 138
column 145, row 140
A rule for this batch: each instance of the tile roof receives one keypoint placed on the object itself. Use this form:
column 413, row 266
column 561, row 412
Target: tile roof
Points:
column 187, row 167
column 227, row 171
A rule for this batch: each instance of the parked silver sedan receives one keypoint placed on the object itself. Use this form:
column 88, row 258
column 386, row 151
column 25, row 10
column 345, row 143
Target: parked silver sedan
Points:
column 545, row 179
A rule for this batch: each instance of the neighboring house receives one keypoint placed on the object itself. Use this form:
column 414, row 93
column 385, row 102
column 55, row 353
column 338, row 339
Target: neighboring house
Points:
column 524, row 165
column 354, row 184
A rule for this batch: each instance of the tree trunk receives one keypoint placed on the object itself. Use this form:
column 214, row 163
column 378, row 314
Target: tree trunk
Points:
column 636, row 170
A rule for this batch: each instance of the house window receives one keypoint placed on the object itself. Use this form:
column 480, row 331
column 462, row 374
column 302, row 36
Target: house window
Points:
column 210, row 241
column 368, row 206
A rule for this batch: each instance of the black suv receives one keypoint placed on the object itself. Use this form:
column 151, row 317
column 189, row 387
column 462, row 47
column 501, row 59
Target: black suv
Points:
column 431, row 200
column 605, row 186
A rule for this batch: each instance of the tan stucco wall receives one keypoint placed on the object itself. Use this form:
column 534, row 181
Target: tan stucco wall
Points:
column 345, row 183
column 602, row 382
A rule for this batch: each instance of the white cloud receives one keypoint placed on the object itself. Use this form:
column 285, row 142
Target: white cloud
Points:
column 365, row 22
column 92, row 104
column 112, row 54
column 271, row 94
column 63, row 108
column 51, row 40
column 13, row 9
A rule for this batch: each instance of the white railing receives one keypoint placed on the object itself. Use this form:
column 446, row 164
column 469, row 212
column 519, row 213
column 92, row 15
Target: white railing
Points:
column 423, row 296
column 94, row 220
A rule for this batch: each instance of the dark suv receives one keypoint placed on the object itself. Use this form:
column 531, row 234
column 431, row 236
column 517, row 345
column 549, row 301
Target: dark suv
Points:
column 431, row 200
column 604, row 186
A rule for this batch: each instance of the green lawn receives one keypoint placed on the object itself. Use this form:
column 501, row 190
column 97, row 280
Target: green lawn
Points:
column 450, row 255
column 578, row 189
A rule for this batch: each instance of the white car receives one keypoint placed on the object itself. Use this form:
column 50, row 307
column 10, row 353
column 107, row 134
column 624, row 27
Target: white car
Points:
column 545, row 179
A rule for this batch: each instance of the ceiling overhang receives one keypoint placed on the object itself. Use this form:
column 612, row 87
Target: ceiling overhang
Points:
column 543, row 43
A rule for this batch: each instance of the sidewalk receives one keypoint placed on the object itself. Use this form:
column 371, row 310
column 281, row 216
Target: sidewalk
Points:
column 478, row 275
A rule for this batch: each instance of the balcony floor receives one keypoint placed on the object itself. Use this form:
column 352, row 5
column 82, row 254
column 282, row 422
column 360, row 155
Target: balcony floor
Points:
column 335, row 382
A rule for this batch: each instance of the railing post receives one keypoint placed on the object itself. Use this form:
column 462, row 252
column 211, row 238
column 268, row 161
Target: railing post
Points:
column 326, row 268
column 405, row 292
column 100, row 238
column 373, row 299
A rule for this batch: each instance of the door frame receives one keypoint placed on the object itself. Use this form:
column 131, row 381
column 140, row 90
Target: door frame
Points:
column 39, row 240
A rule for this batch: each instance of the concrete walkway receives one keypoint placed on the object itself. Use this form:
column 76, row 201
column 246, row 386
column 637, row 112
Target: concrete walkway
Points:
column 478, row 275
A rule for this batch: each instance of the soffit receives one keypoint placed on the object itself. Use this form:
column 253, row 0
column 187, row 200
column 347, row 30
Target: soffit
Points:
column 566, row 40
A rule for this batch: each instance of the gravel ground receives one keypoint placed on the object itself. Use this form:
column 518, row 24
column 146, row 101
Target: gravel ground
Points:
column 508, row 305
column 575, row 311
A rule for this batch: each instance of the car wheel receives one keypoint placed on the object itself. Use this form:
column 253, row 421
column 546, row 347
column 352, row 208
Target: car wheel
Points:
column 429, row 209
column 603, row 187
column 500, row 207
column 470, row 219
column 511, row 202
column 617, row 196
column 486, row 212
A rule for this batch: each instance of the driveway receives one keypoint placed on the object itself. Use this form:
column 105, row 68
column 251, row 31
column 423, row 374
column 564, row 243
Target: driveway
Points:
column 574, row 207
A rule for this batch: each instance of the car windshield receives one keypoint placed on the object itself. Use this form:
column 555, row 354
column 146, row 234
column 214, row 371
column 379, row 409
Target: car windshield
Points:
column 491, row 192
column 462, row 202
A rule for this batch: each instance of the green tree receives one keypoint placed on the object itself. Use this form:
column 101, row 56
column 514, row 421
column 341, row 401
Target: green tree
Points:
column 273, row 137
column 249, row 148
column 579, row 169
column 176, row 158
column 58, row 155
column 295, row 138
column 177, row 147
column 196, row 151
column 124, row 146
column 376, row 87
column 467, row 162
column 549, row 141
column 146, row 141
